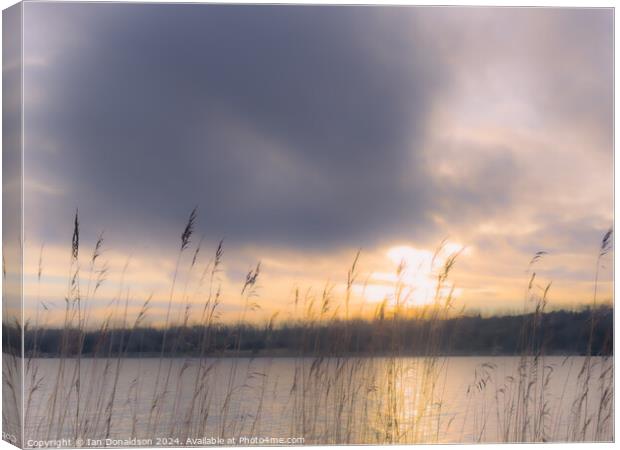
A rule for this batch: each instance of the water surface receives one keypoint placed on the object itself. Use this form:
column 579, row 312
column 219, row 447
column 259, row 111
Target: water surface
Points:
column 322, row 400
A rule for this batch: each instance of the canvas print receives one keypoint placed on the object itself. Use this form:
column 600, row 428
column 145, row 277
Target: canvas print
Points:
column 240, row 225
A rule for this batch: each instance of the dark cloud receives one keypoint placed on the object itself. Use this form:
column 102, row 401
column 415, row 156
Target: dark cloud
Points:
column 298, row 125
column 284, row 124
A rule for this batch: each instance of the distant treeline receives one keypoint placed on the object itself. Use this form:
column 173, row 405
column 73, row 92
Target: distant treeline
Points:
column 559, row 332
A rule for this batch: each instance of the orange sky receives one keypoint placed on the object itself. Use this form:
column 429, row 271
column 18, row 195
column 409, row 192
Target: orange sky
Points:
column 311, row 132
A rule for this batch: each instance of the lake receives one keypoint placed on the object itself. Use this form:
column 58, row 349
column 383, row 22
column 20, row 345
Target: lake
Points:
column 308, row 400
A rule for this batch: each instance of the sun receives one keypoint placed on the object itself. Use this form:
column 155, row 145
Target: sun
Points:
column 415, row 269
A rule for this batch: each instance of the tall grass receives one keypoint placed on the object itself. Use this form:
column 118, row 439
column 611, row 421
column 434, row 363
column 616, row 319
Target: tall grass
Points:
column 12, row 367
column 331, row 396
column 523, row 403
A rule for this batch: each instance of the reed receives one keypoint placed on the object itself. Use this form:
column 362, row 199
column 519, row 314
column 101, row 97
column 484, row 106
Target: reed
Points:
column 335, row 395
column 521, row 402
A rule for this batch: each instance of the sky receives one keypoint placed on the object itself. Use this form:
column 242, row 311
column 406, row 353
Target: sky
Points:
column 306, row 133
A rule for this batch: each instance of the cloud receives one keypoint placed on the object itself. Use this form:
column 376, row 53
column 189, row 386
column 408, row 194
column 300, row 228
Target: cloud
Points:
column 324, row 128
column 285, row 124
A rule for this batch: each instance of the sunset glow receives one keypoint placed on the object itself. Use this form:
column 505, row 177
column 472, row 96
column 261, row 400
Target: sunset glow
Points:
column 415, row 274
column 477, row 135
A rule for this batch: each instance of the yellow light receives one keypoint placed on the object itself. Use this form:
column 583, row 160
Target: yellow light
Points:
column 417, row 276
